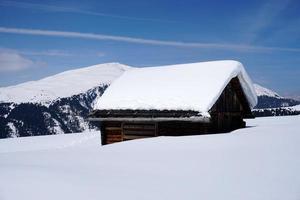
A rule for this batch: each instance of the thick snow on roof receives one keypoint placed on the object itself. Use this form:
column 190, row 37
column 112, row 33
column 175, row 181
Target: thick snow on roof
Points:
column 194, row 86
column 63, row 84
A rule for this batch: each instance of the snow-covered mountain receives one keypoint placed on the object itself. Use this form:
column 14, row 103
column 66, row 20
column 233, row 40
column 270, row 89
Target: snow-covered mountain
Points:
column 270, row 99
column 56, row 104
column 262, row 91
column 62, row 85
column 270, row 103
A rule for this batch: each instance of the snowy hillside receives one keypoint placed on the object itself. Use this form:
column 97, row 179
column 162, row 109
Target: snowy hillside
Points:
column 291, row 108
column 260, row 162
column 56, row 104
column 295, row 108
column 62, row 85
column 270, row 99
column 280, row 111
column 262, row 91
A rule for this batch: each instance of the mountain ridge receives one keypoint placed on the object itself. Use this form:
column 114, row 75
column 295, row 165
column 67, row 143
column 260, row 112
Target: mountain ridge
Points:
column 29, row 109
column 270, row 99
column 263, row 91
column 62, row 85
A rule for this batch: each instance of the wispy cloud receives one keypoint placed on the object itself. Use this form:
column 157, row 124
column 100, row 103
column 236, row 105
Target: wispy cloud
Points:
column 92, row 36
column 100, row 54
column 290, row 29
column 51, row 8
column 264, row 18
column 54, row 52
column 13, row 61
column 59, row 53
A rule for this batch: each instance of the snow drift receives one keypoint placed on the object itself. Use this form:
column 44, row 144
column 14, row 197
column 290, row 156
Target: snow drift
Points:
column 260, row 162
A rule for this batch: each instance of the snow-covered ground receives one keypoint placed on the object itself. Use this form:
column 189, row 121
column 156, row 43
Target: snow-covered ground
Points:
column 292, row 108
column 295, row 108
column 289, row 108
column 258, row 162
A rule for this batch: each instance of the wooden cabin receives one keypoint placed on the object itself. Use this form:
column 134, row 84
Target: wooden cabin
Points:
column 211, row 97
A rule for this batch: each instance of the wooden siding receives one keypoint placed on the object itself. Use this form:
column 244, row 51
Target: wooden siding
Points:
column 182, row 128
column 227, row 113
column 111, row 132
column 133, row 130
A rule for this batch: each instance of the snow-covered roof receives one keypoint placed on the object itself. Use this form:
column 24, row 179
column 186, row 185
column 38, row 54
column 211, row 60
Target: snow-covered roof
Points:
column 194, row 86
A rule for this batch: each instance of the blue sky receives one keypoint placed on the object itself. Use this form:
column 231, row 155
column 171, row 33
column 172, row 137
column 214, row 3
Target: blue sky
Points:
column 41, row 38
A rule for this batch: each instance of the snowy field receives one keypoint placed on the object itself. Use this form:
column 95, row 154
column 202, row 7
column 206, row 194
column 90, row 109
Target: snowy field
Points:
column 258, row 162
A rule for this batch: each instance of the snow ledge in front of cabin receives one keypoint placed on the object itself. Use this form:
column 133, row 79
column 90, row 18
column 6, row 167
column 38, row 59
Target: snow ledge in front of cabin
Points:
column 258, row 162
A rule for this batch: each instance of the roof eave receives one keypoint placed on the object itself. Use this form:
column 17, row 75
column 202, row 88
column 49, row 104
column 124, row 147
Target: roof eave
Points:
column 202, row 119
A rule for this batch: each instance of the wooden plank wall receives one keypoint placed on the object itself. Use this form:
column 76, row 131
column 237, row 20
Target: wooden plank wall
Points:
column 133, row 130
column 111, row 132
column 121, row 131
column 227, row 113
column 179, row 128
